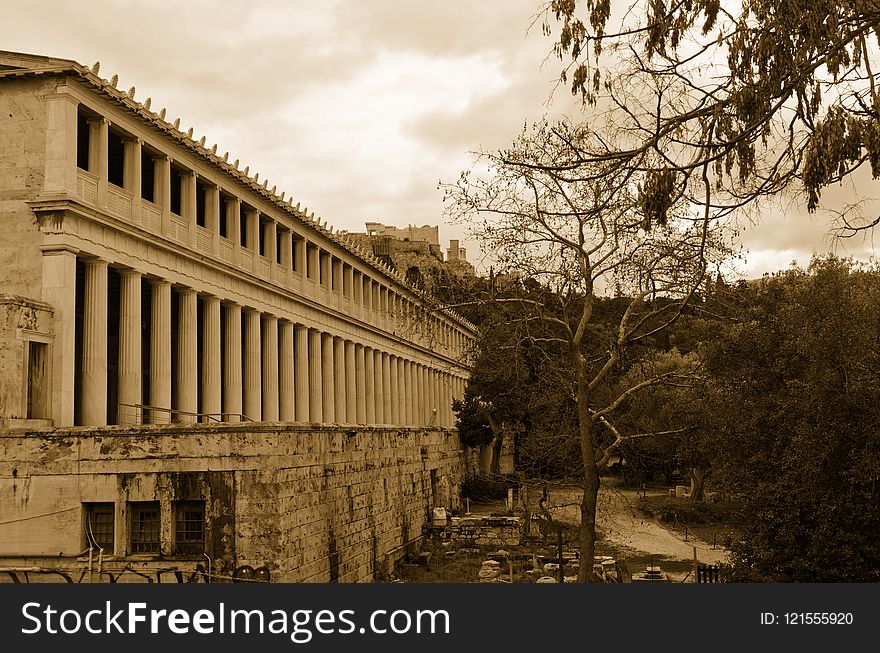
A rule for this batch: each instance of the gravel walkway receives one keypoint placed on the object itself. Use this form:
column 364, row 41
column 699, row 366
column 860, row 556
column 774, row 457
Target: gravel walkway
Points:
column 622, row 523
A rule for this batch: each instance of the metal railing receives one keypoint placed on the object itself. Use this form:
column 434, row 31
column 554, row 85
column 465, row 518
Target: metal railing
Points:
column 171, row 413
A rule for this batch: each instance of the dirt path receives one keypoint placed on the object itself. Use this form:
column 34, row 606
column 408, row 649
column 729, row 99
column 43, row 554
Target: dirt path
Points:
column 623, row 525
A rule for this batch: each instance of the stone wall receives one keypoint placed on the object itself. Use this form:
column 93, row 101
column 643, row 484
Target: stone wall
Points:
column 22, row 165
column 313, row 504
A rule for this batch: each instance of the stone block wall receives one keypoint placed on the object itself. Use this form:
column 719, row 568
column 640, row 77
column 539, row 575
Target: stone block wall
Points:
column 22, row 169
column 479, row 531
column 313, row 503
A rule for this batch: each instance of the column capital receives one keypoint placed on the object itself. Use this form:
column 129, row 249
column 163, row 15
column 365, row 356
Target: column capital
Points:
column 133, row 139
column 100, row 120
column 94, row 261
column 52, row 250
column 62, row 94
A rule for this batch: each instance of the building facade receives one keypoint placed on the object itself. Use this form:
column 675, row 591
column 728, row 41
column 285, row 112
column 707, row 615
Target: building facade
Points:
column 194, row 367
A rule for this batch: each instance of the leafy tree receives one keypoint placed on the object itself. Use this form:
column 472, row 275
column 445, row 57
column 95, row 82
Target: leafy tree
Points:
column 675, row 420
column 800, row 374
column 758, row 94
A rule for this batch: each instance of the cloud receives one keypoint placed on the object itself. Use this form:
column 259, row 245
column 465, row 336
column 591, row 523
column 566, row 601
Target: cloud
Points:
column 355, row 109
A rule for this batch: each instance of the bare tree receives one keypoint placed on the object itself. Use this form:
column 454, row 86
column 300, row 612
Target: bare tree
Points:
column 581, row 229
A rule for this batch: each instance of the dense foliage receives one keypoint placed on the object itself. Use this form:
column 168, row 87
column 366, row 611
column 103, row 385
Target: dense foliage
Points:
column 802, row 447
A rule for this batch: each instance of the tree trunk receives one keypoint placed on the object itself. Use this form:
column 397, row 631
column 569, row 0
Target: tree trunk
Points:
column 698, row 478
column 591, row 473
column 497, row 444
column 485, row 451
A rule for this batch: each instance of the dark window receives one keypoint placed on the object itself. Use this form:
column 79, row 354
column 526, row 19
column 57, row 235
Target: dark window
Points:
column 295, row 264
column 243, row 229
column 224, row 216
column 261, row 228
column 201, row 196
column 279, row 245
column 148, row 176
column 144, row 532
column 189, row 527
column 82, row 142
column 176, row 184
column 99, row 525
column 115, row 159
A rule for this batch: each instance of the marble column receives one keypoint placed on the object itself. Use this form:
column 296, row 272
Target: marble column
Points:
column 162, row 189
column 129, row 381
column 232, row 375
column 360, row 373
column 59, row 290
column 94, row 348
column 421, row 391
column 131, row 171
column 160, row 351
column 348, row 282
column 187, row 390
column 269, row 349
column 211, row 370
column 418, row 395
column 286, row 382
column 369, row 385
column 394, row 390
column 316, row 382
column 253, row 381
column 350, row 384
column 408, row 396
column 99, row 129
column 378, row 387
column 328, row 387
column 433, row 398
column 386, row 389
column 339, row 399
column 445, row 397
column 301, row 372
column 404, row 395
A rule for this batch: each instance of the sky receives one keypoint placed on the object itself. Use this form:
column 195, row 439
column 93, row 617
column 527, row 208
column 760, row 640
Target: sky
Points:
column 356, row 109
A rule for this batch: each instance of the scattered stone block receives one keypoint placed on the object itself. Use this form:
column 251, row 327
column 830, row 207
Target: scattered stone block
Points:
column 489, row 573
column 551, row 568
column 546, row 579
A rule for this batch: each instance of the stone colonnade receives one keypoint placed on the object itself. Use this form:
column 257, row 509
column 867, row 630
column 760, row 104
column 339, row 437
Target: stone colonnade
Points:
column 245, row 364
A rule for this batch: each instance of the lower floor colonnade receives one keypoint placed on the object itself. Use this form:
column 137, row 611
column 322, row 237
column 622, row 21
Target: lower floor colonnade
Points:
column 133, row 348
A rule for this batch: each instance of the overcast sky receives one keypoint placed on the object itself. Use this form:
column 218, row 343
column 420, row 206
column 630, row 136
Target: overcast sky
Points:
column 355, row 108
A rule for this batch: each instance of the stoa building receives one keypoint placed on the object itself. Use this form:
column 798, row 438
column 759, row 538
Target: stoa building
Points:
column 151, row 287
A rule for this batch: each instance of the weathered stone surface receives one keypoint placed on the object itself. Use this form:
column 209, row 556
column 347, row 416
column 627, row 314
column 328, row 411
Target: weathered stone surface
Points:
column 270, row 501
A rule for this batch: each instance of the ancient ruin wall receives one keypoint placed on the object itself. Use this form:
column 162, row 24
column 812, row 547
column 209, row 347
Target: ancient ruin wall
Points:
column 314, row 504
column 22, row 165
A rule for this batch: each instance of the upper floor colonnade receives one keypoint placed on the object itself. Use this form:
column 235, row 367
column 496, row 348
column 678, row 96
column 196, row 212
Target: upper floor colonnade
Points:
column 182, row 284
